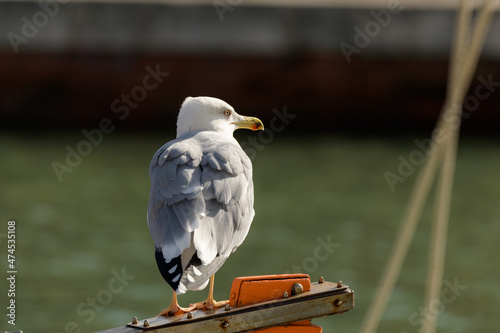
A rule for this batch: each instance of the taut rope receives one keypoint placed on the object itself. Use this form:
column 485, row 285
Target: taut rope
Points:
column 442, row 154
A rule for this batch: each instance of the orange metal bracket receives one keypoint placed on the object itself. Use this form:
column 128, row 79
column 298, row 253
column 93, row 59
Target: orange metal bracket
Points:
column 253, row 289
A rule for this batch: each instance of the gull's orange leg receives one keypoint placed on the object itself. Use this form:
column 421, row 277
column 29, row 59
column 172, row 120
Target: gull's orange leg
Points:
column 210, row 303
column 174, row 308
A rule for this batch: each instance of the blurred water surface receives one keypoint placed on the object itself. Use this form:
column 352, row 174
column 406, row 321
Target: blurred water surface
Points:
column 85, row 258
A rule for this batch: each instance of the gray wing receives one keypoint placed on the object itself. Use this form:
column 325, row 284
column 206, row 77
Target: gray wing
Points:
column 200, row 209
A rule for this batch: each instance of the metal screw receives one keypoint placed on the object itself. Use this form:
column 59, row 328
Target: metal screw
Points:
column 285, row 295
column 225, row 324
column 339, row 284
column 297, row 288
column 321, row 280
column 134, row 320
column 337, row 302
column 189, row 315
column 227, row 307
column 146, row 323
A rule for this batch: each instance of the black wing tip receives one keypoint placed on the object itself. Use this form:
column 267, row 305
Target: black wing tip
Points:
column 165, row 267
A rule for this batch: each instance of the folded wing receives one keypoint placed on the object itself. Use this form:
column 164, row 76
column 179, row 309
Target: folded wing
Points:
column 201, row 206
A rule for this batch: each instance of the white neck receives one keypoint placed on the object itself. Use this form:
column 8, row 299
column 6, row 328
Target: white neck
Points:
column 218, row 125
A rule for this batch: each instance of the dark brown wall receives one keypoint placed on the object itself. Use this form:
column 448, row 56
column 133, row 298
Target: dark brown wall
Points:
column 76, row 91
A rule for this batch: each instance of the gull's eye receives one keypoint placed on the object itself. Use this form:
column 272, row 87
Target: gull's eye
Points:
column 227, row 112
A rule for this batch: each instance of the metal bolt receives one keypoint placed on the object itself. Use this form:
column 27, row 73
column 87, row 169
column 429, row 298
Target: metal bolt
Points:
column 189, row 315
column 134, row 320
column 321, row 280
column 337, row 302
column 225, row 324
column 297, row 288
column 285, row 295
column 146, row 323
column 227, row 307
column 339, row 284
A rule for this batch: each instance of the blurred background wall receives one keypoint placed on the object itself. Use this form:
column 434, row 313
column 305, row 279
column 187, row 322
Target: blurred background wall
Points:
column 376, row 66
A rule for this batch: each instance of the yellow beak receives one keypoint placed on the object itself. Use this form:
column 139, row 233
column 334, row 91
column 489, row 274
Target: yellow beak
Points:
column 250, row 123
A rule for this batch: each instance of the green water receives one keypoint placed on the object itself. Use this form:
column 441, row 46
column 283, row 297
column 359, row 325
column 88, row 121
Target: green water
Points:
column 75, row 236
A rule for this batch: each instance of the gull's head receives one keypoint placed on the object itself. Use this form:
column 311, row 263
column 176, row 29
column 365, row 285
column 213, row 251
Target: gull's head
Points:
column 212, row 114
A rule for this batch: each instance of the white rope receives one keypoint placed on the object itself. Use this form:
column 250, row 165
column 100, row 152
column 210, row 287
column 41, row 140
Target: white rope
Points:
column 463, row 64
column 445, row 182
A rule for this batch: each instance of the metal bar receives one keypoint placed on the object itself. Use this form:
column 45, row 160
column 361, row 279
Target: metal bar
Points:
column 322, row 300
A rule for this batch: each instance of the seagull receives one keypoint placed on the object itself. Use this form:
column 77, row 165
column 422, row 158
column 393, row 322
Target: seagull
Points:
column 201, row 200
